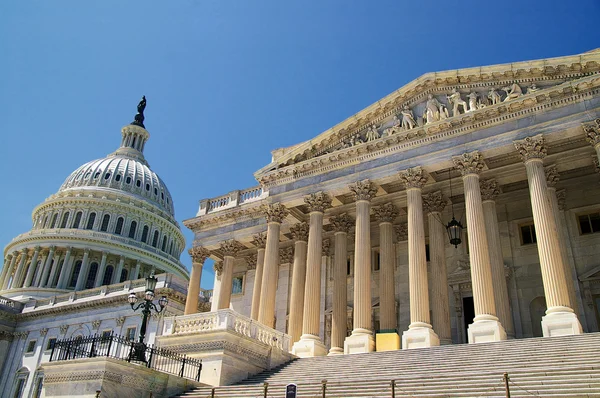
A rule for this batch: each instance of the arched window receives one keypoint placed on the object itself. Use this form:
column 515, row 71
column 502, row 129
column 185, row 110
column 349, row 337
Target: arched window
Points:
column 155, row 239
column 77, row 220
column 119, row 226
column 145, row 234
column 123, row 275
column 54, row 282
column 164, row 245
column 65, row 218
column 171, row 249
column 128, row 180
column 91, row 219
column 132, row 228
column 105, row 221
column 91, row 276
column 75, row 274
column 54, row 218
column 108, row 275
column 118, row 177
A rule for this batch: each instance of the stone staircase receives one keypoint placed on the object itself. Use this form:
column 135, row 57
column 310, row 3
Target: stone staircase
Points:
column 567, row 366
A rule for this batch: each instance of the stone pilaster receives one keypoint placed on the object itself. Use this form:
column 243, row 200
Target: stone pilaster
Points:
column 32, row 267
column 101, row 270
column 310, row 343
column 199, row 255
column 230, row 249
column 560, row 318
column 420, row 333
column 486, row 326
column 83, row 271
column 434, row 203
column 361, row 339
column 339, row 317
column 275, row 214
column 260, row 240
column 489, row 191
column 300, row 233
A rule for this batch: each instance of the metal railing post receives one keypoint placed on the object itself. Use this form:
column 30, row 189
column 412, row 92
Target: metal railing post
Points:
column 149, row 364
column 109, row 345
column 266, row 388
column 199, row 370
column 182, row 367
column 212, row 393
column 506, row 387
column 393, row 383
column 324, row 383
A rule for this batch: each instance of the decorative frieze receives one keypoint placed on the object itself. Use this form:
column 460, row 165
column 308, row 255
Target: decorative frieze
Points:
column 401, row 232
column 63, row 329
column 363, row 190
column 96, row 324
column 120, row 320
column 260, row 240
column 342, row 223
column 231, row 248
column 490, row 189
column 413, row 178
column 319, row 201
column 434, row 202
column 532, row 147
column 552, row 176
column 275, row 212
column 43, row 331
column 286, row 255
column 469, row 163
column 299, row 231
column 199, row 254
column 385, row 213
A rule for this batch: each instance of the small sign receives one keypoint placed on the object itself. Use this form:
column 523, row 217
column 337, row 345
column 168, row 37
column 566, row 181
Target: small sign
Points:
column 290, row 390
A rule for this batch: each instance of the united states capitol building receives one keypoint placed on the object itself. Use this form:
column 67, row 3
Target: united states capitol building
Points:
column 460, row 209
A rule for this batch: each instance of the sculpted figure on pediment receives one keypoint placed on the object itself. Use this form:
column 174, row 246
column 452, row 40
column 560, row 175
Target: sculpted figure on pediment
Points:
column 393, row 129
column 473, row 101
column 408, row 119
column 372, row 134
column 513, row 91
column 494, row 96
column 532, row 89
column 455, row 100
column 434, row 110
column 352, row 141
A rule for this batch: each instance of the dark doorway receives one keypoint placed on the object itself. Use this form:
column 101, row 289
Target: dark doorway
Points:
column 468, row 312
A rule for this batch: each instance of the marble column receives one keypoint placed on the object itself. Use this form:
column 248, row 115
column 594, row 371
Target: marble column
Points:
column 486, row 326
column 117, row 275
column 552, row 178
column 83, row 271
column 361, row 339
column 420, row 332
column 37, row 279
column 136, row 271
column 9, row 272
column 339, row 317
column 5, row 269
column 489, row 191
column 47, row 267
column 19, row 277
column 230, row 249
column 199, row 256
column 592, row 134
column 218, row 268
column 275, row 214
column 101, row 270
column 54, row 269
column 388, row 319
column 560, row 318
column 65, row 273
column 300, row 233
column 32, row 267
column 260, row 241
column 310, row 343
column 434, row 203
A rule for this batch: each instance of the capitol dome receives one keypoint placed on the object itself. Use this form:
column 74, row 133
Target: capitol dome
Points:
column 111, row 221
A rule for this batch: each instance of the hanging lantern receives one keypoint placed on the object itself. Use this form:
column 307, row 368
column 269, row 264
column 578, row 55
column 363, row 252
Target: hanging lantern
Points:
column 454, row 229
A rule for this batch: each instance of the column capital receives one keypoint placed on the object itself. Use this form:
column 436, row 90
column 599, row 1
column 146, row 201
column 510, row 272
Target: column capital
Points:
column 385, row 213
column 413, row 177
column 342, row 223
column 490, row 189
column 37, row 248
column 561, row 198
column 469, row 163
column 230, row 248
column 532, row 147
column 434, row 202
column 260, row 240
column 596, row 163
column 401, row 231
column 286, row 255
column 592, row 132
column 326, row 247
column 319, row 201
column 363, row 190
column 300, row 231
column 275, row 212
column 552, row 176
column 251, row 260
column 198, row 254
column 218, row 267
column 52, row 248
column 86, row 251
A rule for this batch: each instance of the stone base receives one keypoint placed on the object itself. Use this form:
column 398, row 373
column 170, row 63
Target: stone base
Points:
column 336, row 351
column 485, row 331
column 309, row 346
column 359, row 343
column 560, row 324
column 387, row 341
column 419, row 337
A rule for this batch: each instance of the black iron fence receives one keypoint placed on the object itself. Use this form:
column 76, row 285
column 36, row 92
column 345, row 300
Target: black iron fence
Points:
column 118, row 347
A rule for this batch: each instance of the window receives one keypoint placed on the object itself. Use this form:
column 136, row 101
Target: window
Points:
column 528, row 234
column 65, row 218
column 106, row 176
column 123, row 275
column 91, row 277
column 171, row 249
column 97, row 175
column 155, row 239
column 91, row 220
column 427, row 258
column 155, row 191
column 589, row 223
column 75, row 274
column 77, row 220
column 128, row 180
column 138, row 183
column 119, row 226
column 376, row 261
column 132, row 228
column 164, row 245
column 30, row 347
column 105, row 221
column 108, row 275
column 348, row 267
column 54, row 218
column 38, row 384
column 50, row 344
column 106, row 335
column 147, row 187
column 20, row 385
column 237, row 284
column 130, row 333
column 118, row 178
column 145, row 234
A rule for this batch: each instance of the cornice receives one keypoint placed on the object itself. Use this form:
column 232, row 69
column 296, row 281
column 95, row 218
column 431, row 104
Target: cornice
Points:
column 236, row 214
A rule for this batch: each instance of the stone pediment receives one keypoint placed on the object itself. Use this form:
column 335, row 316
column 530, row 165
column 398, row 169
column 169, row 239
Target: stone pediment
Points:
column 432, row 105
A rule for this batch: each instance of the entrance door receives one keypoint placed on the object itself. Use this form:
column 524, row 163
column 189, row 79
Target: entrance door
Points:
column 468, row 314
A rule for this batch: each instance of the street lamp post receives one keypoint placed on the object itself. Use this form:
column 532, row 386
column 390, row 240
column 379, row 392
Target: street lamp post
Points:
column 147, row 306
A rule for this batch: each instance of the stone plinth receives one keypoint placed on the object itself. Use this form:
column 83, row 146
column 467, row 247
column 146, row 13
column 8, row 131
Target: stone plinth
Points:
column 113, row 377
column 419, row 337
column 387, row 341
column 232, row 347
column 359, row 343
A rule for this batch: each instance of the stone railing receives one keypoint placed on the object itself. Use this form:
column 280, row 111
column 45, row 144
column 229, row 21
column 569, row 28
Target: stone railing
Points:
column 226, row 320
column 232, row 199
column 6, row 302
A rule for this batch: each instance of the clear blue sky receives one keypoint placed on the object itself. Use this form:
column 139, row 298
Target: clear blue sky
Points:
column 228, row 81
